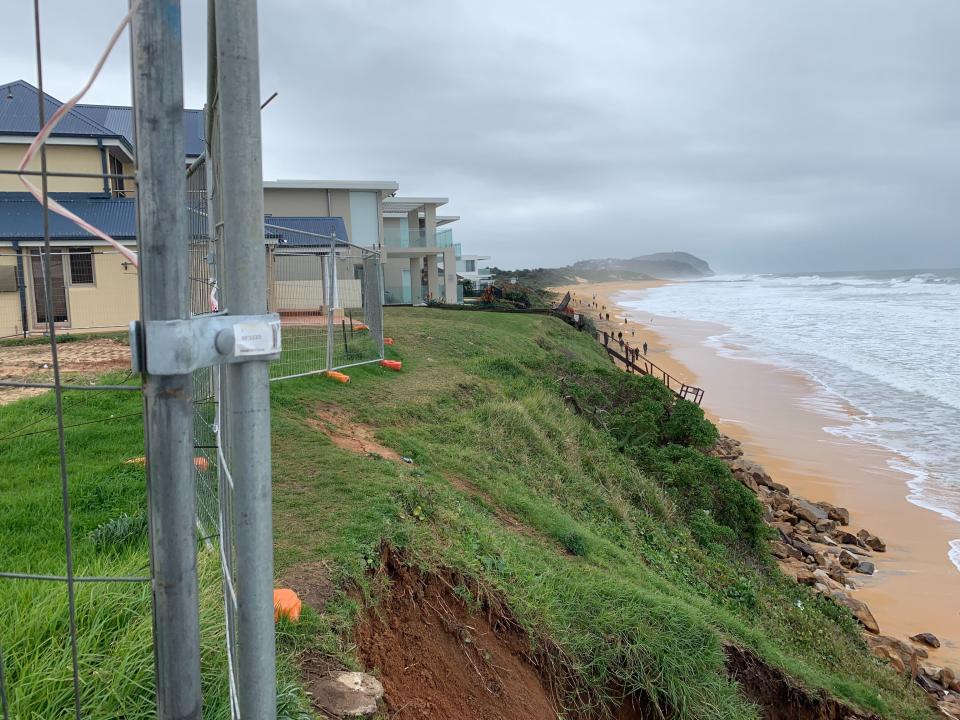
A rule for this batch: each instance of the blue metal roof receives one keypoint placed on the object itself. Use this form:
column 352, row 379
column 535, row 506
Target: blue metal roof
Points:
column 21, row 216
column 119, row 119
column 19, row 115
column 313, row 225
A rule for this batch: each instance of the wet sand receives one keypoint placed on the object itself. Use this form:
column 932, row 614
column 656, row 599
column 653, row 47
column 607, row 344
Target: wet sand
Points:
column 780, row 416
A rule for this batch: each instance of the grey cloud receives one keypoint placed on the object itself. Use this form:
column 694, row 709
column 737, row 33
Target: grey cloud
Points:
column 761, row 135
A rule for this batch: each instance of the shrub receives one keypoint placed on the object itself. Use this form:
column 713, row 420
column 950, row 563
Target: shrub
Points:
column 517, row 296
column 665, row 436
column 708, row 494
column 686, row 425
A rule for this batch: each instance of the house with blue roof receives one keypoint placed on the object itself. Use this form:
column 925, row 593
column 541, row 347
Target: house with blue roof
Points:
column 93, row 286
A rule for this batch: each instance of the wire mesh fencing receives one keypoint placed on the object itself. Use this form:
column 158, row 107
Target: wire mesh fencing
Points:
column 81, row 438
column 328, row 294
column 56, row 589
column 214, row 483
column 329, row 299
column 203, row 300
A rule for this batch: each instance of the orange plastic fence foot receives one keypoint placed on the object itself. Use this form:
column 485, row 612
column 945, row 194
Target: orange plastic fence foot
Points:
column 338, row 376
column 286, row 603
column 388, row 341
column 392, row 364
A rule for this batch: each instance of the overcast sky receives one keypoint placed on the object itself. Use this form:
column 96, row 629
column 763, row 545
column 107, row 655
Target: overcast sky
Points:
column 761, row 135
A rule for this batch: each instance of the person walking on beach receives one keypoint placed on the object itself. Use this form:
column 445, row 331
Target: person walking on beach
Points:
column 644, row 347
column 608, row 315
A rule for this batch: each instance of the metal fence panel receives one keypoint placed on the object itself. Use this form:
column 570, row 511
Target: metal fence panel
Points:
column 330, row 303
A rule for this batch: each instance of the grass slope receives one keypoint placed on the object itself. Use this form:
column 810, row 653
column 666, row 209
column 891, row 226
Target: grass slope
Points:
column 623, row 550
column 630, row 567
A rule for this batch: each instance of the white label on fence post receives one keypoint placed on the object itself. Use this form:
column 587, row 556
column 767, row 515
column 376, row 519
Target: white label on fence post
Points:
column 256, row 338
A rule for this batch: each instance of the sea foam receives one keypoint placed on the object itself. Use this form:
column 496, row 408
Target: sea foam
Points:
column 882, row 343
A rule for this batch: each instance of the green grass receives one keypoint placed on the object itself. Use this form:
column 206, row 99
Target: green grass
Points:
column 108, row 501
column 632, row 568
column 638, row 563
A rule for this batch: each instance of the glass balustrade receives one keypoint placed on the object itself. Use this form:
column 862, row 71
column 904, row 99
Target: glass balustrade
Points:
column 406, row 237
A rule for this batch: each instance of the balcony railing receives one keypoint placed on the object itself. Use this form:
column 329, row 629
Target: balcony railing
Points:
column 444, row 239
column 405, row 237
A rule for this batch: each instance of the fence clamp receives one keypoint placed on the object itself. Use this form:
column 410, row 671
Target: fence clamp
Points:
column 178, row 347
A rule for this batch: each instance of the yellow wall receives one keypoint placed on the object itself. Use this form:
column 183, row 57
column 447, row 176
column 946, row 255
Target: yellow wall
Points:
column 10, row 321
column 112, row 301
column 61, row 158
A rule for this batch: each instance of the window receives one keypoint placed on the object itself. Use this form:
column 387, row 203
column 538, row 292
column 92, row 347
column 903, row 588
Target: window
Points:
column 471, row 265
column 81, row 266
column 116, row 183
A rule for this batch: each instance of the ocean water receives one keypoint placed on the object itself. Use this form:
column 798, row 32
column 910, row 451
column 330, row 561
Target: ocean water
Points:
column 887, row 343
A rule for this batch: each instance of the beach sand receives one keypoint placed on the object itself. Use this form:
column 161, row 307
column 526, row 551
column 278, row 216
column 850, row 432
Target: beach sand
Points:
column 773, row 412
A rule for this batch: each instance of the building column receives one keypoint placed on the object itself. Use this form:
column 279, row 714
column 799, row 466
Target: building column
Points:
column 415, row 297
column 433, row 285
column 413, row 226
column 430, row 224
column 450, row 274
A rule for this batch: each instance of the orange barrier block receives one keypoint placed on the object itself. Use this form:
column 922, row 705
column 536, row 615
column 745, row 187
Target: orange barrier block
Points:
column 360, row 326
column 338, row 376
column 388, row 341
column 286, row 603
column 392, row 364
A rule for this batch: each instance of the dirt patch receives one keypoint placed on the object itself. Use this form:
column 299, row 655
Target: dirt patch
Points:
column 12, row 394
column 439, row 658
column 34, row 363
column 338, row 425
column 311, row 582
column 779, row 697
column 79, row 356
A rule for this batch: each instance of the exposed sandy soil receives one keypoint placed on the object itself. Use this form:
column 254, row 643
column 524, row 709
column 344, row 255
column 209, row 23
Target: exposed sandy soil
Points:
column 778, row 697
column 86, row 358
column 438, row 658
column 337, row 423
column 311, row 581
